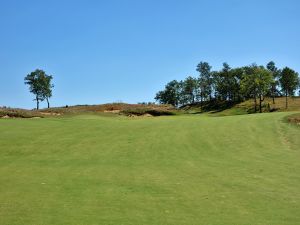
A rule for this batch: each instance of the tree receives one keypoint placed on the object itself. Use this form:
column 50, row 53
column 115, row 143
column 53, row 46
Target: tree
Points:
column 40, row 85
column 236, row 75
column 264, row 80
column 289, row 81
column 217, row 84
column 47, row 87
column 189, row 89
column 275, row 73
column 226, row 83
column 231, row 85
column 256, row 83
column 35, row 85
column 171, row 94
column 248, row 85
column 205, row 81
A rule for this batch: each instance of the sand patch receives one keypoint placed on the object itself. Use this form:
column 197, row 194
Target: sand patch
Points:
column 50, row 113
column 112, row 111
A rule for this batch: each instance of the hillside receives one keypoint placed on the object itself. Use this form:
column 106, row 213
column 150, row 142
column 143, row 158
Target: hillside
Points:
column 246, row 107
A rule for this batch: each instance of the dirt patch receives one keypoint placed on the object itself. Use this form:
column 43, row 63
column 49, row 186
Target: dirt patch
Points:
column 5, row 117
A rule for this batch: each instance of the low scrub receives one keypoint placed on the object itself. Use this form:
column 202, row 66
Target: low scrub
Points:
column 146, row 111
column 18, row 113
column 295, row 119
column 136, row 109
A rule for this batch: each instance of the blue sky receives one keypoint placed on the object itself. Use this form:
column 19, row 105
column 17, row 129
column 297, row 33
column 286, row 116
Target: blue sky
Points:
column 127, row 50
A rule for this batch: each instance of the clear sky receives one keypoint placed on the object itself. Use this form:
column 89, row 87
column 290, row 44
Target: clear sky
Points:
column 127, row 50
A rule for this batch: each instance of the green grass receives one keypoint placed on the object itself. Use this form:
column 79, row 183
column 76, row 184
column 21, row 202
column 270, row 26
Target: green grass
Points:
column 193, row 169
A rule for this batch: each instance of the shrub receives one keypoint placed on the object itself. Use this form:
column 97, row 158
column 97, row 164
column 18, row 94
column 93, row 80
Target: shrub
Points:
column 143, row 111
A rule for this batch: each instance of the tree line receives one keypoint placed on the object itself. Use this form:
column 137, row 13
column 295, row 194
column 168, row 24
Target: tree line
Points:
column 232, row 85
column 40, row 85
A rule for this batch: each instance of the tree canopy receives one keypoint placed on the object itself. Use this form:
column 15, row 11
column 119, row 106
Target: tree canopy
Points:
column 231, row 85
column 40, row 85
column 289, row 81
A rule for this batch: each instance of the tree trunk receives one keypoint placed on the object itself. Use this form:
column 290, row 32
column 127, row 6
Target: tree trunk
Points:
column 48, row 103
column 37, row 104
column 273, row 93
column 259, row 104
column 260, row 101
column 255, row 104
column 286, row 100
column 201, row 100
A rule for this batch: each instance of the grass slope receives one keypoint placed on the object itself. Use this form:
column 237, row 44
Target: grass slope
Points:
column 246, row 107
column 194, row 169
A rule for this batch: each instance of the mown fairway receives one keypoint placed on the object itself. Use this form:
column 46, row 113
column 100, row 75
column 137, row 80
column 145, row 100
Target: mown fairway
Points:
column 235, row 170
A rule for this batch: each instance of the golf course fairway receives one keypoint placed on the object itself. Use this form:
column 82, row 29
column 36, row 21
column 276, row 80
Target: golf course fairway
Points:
column 185, row 170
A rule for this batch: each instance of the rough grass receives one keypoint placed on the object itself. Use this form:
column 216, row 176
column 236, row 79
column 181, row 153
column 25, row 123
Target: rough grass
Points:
column 105, row 110
column 223, row 108
column 293, row 104
column 90, row 169
column 113, row 107
column 18, row 113
column 294, row 119
column 214, row 108
column 147, row 111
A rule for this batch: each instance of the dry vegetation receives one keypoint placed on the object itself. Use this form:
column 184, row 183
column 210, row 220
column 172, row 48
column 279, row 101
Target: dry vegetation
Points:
column 218, row 109
column 224, row 108
column 295, row 119
column 268, row 106
column 18, row 113
column 116, row 108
